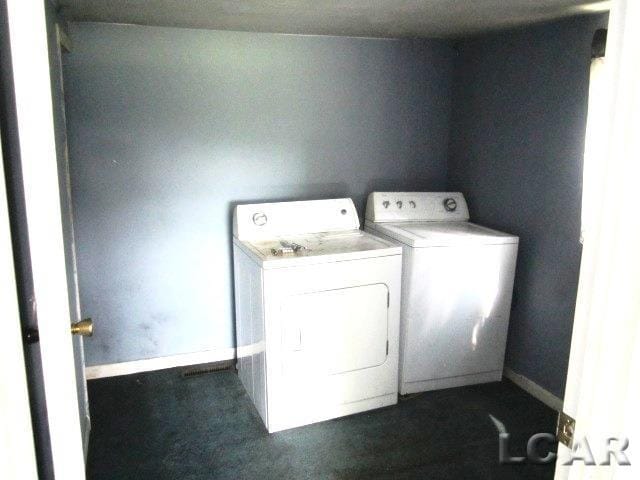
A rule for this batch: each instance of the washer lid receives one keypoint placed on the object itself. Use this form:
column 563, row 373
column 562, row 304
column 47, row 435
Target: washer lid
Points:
column 442, row 234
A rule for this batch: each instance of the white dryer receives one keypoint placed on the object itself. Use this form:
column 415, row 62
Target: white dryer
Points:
column 317, row 311
column 457, row 285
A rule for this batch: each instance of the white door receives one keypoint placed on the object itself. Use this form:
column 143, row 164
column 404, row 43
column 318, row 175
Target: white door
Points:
column 603, row 381
column 45, row 243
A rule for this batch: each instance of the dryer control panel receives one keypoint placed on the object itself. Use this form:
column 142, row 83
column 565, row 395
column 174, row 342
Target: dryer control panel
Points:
column 416, row 207
column 260, row 221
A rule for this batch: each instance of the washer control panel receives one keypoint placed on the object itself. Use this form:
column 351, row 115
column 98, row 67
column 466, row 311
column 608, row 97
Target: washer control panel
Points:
column 416, row 206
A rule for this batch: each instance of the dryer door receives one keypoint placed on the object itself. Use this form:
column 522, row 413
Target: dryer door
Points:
column 336, row 331
column 331, row 335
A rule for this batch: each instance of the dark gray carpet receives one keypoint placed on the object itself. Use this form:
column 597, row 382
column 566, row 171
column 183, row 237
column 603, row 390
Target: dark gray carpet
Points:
column 161, row 425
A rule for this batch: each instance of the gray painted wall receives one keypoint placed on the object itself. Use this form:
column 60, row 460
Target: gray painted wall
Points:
column 517, row 139
column 169, row 128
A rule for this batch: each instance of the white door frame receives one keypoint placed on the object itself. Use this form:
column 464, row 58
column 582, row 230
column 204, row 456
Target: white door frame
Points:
column 17, row 450
column 32, row 86
column 63, row 44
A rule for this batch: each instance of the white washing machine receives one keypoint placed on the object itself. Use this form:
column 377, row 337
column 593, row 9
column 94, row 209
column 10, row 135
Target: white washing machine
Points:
column 457, row 284
column 317, row 311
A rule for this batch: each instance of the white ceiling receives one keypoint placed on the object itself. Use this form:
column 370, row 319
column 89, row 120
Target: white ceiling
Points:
column 369, row 18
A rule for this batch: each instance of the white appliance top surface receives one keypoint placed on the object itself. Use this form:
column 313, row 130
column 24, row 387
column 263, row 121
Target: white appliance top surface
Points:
column 318, row 248
column 441, row 234
column 416, row 207
column 265, row 221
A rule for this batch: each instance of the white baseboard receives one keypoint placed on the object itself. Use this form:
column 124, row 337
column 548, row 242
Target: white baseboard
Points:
column 533, row 389
column 160, row 363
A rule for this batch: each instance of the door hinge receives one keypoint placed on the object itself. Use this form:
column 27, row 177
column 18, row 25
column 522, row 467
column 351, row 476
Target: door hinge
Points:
column 565, row 429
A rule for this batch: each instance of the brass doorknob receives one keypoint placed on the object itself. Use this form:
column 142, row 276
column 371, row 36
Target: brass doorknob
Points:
column 83, row 327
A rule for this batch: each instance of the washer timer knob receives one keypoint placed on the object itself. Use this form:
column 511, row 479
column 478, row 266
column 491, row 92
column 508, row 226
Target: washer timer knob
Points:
column 385, row 204
column 259, row 219
column 399, row 203
column 412, row 204
column 450, row 204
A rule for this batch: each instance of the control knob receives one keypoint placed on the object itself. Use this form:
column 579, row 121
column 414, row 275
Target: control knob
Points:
column 450, row 204
column 385, row 204
column 259, row 219
column 399, row 203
